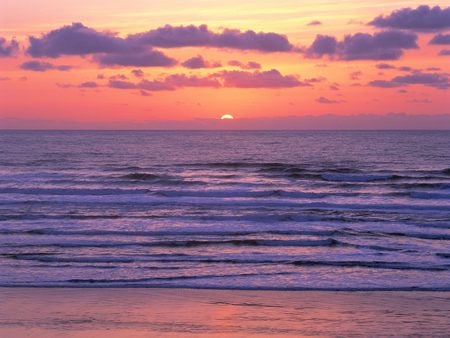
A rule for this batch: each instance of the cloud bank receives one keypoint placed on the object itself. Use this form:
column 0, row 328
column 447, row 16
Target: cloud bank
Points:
column 435, row 80
column 76, row 39
column 200, row 36
column 385, row 45
column 423, row 18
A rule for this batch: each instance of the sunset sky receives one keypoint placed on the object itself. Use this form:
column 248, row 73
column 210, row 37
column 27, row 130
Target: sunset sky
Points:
column 181, row 63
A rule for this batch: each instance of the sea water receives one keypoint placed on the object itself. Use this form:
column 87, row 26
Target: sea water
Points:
column 320, row 210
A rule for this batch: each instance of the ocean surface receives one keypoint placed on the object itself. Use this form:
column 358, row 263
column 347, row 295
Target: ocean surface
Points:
column 281, row 210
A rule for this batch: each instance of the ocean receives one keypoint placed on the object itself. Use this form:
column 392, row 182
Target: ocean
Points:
column 279, row 210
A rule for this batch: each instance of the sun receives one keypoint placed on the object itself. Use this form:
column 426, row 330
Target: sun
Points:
column 227, row 117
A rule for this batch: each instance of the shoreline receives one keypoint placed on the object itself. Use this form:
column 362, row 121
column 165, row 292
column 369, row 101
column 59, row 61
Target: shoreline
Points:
column 175, row 312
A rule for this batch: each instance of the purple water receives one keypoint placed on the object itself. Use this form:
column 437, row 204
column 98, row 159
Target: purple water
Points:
column 264, row 210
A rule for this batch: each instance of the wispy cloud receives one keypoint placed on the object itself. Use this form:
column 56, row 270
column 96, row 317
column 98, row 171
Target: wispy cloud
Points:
column 39, row 66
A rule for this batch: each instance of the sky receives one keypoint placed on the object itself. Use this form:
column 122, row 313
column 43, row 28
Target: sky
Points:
column 182, row 64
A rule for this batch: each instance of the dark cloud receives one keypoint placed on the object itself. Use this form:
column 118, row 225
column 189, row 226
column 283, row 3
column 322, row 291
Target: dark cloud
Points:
column 4, row 78
column 195, row 62
column 150, row 58
column 38, row 66
column 315, row 80
column 267, row 79
column 137, row 72
column 118, row 77
column 444, row 52
column 385, row 66
column 314, row 23
column 170, row 82
column 76, row 39
column 136, row 50
column 119, row 84
column 324, row 100
column 252, row 65
column 8, row 49
column 323, row 44
column 109, row 49
column 64, row 68
column 155, row 85
column 421, row 101
column 441, row 81
column 440, row 39
column 386, row 45
column 182, row 80
column 198, row 62
column 334, row 87
column 435, row 80
column 64, row 85
column 406, row 69
column 401, row 68
column 88, row 84
column 423, row 18
column 231, row 79
column 355, row 75
column 384, row 84
column 191, row 36
column 248, row 65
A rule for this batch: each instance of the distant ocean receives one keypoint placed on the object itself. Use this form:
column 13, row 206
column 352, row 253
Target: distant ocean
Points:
column 332, row 210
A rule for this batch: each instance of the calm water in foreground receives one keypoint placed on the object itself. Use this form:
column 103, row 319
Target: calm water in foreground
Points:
column 249, row 210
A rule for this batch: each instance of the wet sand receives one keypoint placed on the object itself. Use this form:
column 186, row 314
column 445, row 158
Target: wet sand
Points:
column 83, row 313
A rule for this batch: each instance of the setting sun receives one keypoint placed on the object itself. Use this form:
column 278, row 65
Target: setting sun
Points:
column 227, row 117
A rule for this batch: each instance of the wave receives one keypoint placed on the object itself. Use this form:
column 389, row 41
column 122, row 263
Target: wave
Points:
column 174, row 278
column 174, row 193
column 142, row 177
column 73, row 191
column 421, row 185
column 238, row 204
column 429, row 195
column 185, row 243
column 390, row 265
column 371, row 264
column 357, row 177
column 193, row 231
column 159, row 179
column 250, row 193
column 237, row 164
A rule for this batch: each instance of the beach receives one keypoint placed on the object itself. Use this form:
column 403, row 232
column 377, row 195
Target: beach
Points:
column 82, row 313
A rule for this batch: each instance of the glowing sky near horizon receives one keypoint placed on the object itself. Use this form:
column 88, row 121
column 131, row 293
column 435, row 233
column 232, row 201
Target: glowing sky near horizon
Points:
column 250, row 77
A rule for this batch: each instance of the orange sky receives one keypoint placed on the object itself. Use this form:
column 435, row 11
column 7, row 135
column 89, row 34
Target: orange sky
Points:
column 304, row 84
